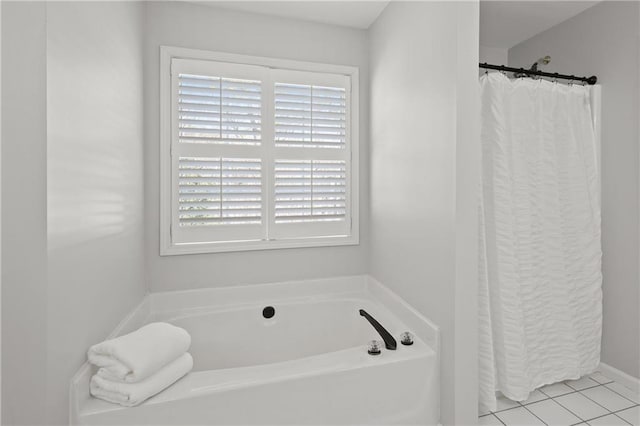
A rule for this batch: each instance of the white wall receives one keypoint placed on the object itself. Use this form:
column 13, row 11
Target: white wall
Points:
column 467, row 178
column 94, row 181
column 24, row 212
column 72, row 193
column 423, row 122
column 201, row 27
column 494, row 55
column 604, row 40
column 73, row 261
column 0, row 212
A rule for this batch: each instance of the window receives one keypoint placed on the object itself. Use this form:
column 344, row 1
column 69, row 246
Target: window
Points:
column 256, row 153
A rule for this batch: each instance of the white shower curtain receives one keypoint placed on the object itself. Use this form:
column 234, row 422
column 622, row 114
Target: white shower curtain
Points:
column 540, row 255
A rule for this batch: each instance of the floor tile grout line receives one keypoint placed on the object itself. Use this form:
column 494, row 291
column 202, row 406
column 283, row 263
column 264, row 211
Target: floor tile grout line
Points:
column 630, row 400
column 604, row 415
column 624, row 409
column 544, row 399
column 540, row 400
column 534, row 414
column 499, row 419
column 563, row 394
column 597, row 403
column 610, row 413
column 548, row 396
column 572, row 390
column 520, row 404
column 587, row 396
column 615, row 413
column 506, row 409
column 575, row 414
column 606, row 383
column 623, row 419
column 590, row 387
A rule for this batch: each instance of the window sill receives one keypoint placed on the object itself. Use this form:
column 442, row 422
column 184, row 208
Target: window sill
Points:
column 240, row 246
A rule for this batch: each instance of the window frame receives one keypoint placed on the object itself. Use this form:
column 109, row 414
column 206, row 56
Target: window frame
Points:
column 167, row 245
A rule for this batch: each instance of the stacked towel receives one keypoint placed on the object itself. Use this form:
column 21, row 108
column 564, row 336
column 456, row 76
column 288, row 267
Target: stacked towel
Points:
column 131, row 394
column 136, row 366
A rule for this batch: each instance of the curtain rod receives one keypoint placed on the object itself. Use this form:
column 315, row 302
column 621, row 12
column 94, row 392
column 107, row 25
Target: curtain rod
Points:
column 589, row 80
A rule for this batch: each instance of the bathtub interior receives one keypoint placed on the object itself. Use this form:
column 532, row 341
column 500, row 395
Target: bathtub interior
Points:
column 297, row 330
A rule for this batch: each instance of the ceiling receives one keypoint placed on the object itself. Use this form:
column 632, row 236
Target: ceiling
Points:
column 354, row 14
column 504, row 24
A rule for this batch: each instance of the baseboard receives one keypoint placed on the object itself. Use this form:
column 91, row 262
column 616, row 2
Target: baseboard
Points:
column 621, row 377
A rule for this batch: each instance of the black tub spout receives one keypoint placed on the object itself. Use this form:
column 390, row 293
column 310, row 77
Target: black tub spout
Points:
column 389, row 342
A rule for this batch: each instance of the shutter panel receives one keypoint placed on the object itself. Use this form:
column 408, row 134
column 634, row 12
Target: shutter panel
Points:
column 310, row 116
column 310, row 191
column 219, row 191
column 221, row 110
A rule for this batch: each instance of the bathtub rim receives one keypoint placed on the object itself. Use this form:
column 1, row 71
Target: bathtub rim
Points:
column 206, row 382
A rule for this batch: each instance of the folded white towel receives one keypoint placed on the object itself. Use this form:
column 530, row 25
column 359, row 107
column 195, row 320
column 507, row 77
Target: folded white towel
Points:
column 131, row 394
column 138, row 355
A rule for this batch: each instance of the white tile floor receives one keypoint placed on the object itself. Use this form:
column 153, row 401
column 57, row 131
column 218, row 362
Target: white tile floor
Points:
column 595, row 400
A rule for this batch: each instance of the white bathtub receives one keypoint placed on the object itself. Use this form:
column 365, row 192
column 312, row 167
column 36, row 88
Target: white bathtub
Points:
column 308, row 364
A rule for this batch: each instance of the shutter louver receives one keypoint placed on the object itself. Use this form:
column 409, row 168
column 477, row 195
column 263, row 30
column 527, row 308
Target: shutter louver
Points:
column 310, row 116
column 310, row 191
column 219, row 110
column 219, row 191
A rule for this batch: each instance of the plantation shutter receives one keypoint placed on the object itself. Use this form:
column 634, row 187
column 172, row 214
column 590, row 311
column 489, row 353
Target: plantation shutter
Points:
column 258, row 154
column 311, row 191
column 219, row 191
column 310, row 116
column 217, row 151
